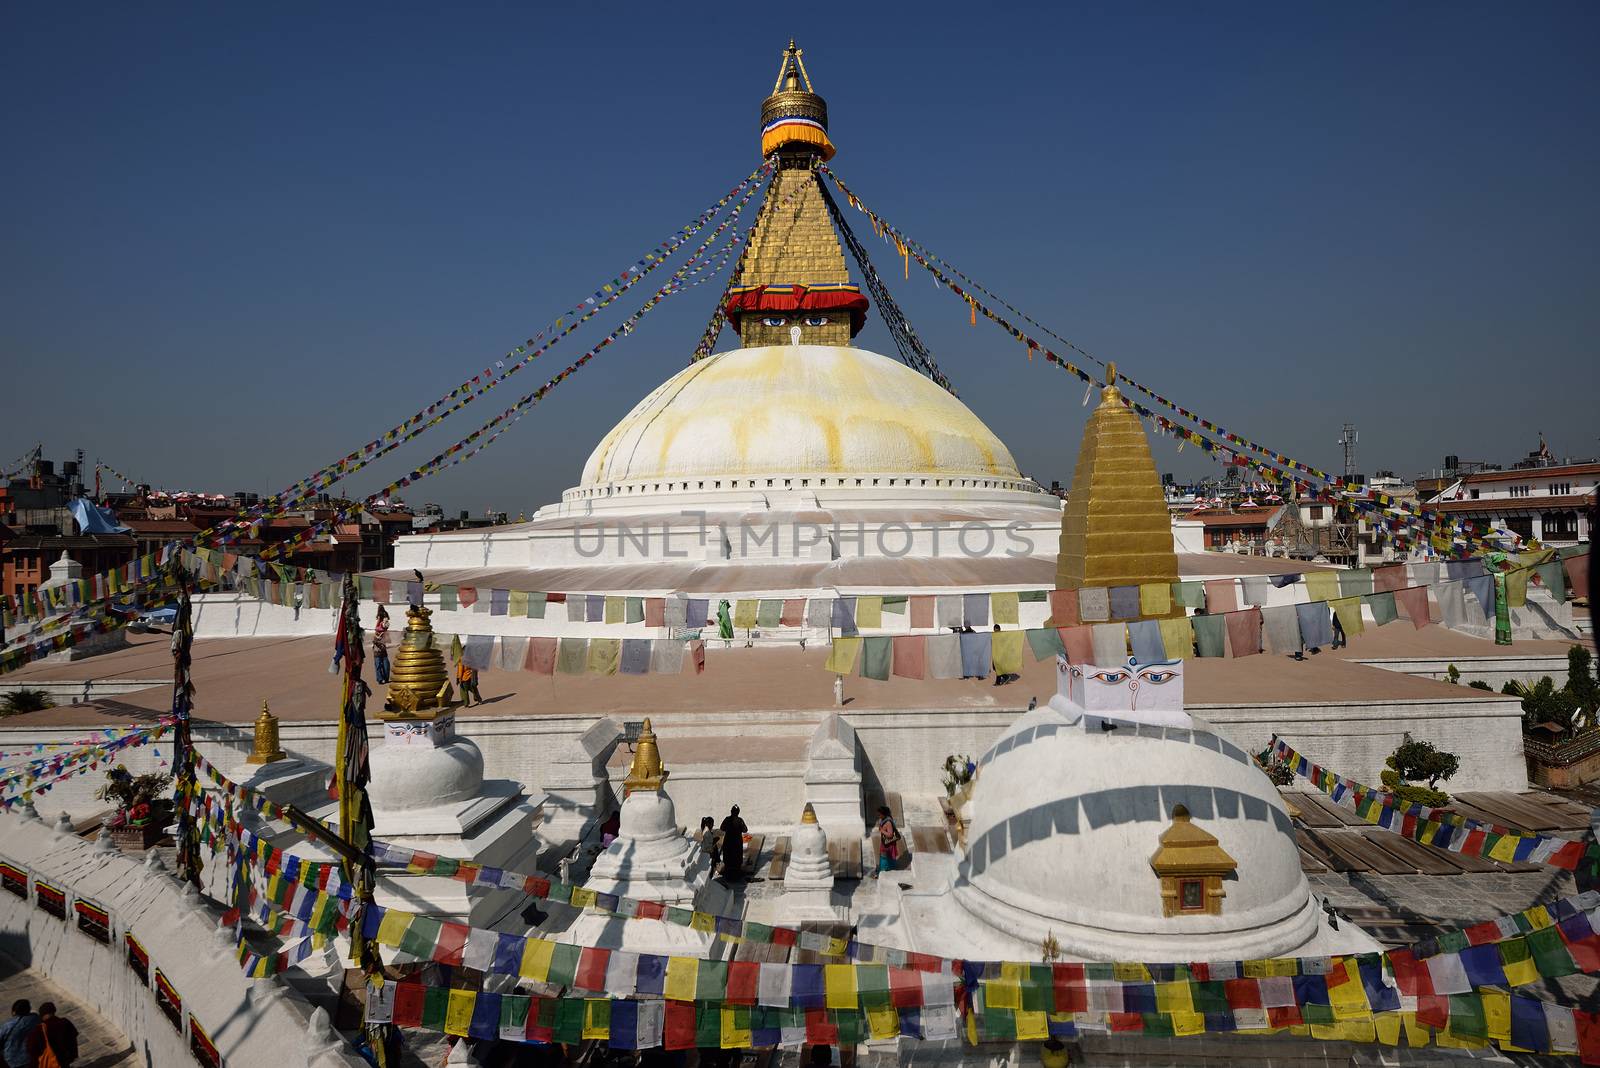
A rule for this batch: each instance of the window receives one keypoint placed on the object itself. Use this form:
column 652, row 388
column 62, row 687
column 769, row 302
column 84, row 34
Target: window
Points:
column 1474, row 494
column 1191, row 895
column 1316, row 511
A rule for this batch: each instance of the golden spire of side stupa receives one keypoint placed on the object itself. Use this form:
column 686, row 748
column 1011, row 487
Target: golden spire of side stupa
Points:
column 646, row 772
column 266, row 749
column 1116, row 530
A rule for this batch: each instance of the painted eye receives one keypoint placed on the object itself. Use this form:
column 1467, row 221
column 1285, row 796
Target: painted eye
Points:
column 816, row 320
column 1156, row 678
column 774, row 320
column 1111, row 678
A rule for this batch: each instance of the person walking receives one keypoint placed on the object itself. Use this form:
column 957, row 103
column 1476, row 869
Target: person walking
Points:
column 888, row 841
column 1339, row 640
column 380, row 647
column 14, row 1035
column 467, row 679
column 733, row 832
column 55, row 1041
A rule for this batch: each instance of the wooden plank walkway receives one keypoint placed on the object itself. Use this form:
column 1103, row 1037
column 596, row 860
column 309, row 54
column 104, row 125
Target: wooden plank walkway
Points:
column 1511, row 810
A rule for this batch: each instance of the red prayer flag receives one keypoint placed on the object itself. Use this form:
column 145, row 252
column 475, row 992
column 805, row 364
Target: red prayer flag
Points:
column 1070, row 993
column 1569, row 856
column 651, row 910
column 1242, row 993
column 655, row 612
column 468, row 595
column 1064, row 608
column 794, row 612
column 1283, row 1015
column 1414, row 601
column 380, row 590
column 1588, row 1036
column 541, row 656
column 1433, row 1010
column 820, row 1030
column 697, row 649
column 408, row 1004
column 1481, row 933
column 678, row 1030
column 452, row 940
column 784, row 936
column 910, row 655
column 743, row 976
column 1079, row 644
column 1410, row 975
column 1126, row 1021
column 921, row 613
column 905, row 988
column 592, row 969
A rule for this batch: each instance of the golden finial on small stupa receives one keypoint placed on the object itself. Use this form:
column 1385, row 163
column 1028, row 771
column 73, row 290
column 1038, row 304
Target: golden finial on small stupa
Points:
column 808, row 814
column 419, row 684
column 1111, row 394
column 266, row 748
column 646, row 772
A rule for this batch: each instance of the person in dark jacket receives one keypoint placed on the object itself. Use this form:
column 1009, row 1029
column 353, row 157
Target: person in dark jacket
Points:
column 55, row 1041
column 733, row 832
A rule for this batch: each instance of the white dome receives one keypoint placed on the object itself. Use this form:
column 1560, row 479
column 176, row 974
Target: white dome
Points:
column 410, row 777
column 1066, row 819
column 797, row 410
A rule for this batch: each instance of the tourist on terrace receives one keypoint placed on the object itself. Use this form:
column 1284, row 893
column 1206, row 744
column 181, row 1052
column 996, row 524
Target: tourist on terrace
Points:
column 14, row 1035
column 888, row 841
column 733, row 832
column 55, row 1041
column 380, row 647
column 1338, row 632
column 467, row 679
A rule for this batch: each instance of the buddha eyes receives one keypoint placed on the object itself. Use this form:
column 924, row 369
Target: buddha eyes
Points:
column 1110, row 678
column 816, row 320
column 774, row 320
column 1156, row 678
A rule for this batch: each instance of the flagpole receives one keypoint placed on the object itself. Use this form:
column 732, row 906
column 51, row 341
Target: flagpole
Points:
column 355, row 809
column 185, row 789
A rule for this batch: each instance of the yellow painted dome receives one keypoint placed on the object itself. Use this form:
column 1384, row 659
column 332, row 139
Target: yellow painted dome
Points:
column 798, row 410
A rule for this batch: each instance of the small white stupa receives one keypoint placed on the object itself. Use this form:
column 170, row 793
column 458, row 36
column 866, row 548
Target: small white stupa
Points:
column 1112, row 825
column 428, row 792
column 651, row 859
column 808, row 880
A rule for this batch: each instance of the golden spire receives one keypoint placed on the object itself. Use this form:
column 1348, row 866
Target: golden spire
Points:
column 794, row 119
column 1116, row 530
column 792, row 76
column 418, row 679
column 646, row 772
column 808, row 814
column 266, row 748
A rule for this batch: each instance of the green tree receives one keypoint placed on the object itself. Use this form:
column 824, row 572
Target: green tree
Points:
column 25, row 699
column 1414, row 762
column 1544, row 703
column 1583, row 686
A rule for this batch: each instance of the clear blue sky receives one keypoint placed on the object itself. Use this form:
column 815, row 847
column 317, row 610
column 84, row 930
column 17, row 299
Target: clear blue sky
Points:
column 239, row 240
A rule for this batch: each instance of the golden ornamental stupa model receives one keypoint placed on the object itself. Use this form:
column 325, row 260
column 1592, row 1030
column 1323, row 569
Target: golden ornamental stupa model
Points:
column 419, row 680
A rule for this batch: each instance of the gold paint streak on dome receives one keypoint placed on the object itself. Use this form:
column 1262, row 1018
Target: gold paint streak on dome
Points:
column 1116, row 530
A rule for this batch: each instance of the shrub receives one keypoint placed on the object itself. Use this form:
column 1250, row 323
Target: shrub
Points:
column 25, row 699
column 1582, row 685
column 1415, row 762
column 1479, row 684
column 1543, row 703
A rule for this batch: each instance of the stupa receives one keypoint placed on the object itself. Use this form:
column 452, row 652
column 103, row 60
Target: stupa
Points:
column 1115, row 530
column 650, row 859
column 419, row 678
column 808, row 880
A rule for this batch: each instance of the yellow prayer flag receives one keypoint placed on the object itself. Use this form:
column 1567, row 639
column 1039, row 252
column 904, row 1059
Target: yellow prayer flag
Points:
column 1185, row 1024
column 1174, row 997
column 1002, row 993
column 1006, row 649
column 1177, row 634
column 869, row 613
column 842, row 657
column 1130, row 972
column 616, row 609
column 703, row 921
column 1155, row 598
column 885, row 1023
column 1497, row 1014
column 1517, row 588
column 1388, row 1028
column 1418, row 1033
column 839, row 983
column 1003, row 606
column 582, row 898
column 745, row 611
column 604, row 653
column 683, row 973
column 734, row 1036
column 1031, row 1026
column 1539, row 916
column 1322, row 585
column 458, row 1011
column 393, row 927
column 1505, row 849
column 837, row 946
column 1283, row 966
column 596, row 1018
column 1521, row 972
column 536, row 959
column 1349, row 998
column 1348, row 609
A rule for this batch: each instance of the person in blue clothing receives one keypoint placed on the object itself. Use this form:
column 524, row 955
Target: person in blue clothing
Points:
column 14, row 1035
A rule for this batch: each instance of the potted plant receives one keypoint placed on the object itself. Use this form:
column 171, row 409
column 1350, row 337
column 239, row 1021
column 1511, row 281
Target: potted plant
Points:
column 141, row 807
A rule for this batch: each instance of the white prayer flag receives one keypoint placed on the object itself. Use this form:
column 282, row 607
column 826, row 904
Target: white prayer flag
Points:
column 380, row 1003
column 1448, row 974
column 622, row 973
column 938, row 989
column 773, row 986
column 1277, row 991
column 649, row 1023
column 478, row 953
column 939, row 1022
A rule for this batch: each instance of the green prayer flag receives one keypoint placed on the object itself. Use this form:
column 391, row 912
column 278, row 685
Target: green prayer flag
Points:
column 1357, row 582
column 1189, row 594
column 1382, row 605
column 1031, row 596
column 849, row 1024
column 447, row 599
column 1038, row 989
column 769, row 612
column 421, row 936
column 569, row 1021
column 1317, row 1014
column 635, row 610
column 877, row 655
column 1209, row 997
column 1467, row 1018
column 1209, row 634
column 1550, row 954
column 711, row 982
column 708, row 1024
column 1045, row 642
column 1552, row 576
column 872, row 985
column 564, row 964
column 514, row 1014
column 536, row 602
column 435, row 1000
column 895, row 603
column 1157, row 1024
